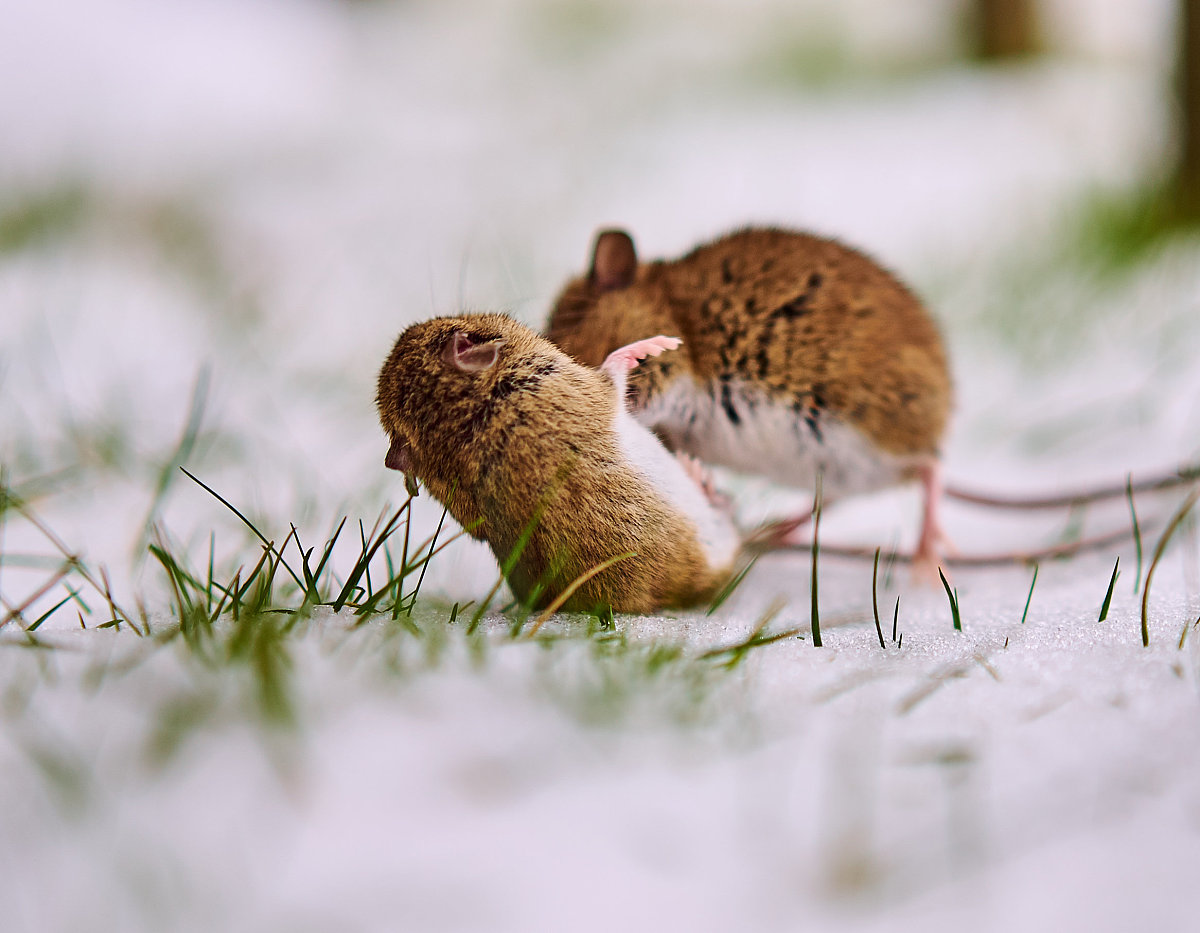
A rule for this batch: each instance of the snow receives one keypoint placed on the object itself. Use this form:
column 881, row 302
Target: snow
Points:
column 269, row 192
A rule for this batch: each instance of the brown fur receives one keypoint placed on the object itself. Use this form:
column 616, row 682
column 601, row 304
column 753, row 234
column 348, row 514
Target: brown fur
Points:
column 812, row 323
column 528, row 443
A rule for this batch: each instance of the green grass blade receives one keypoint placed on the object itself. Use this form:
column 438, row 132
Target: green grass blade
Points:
column 368, row 553
column 362, row 534
column 735, row 653
column 1137, row 532
column 36, row 624
column 953, row 597
column 814, row 612
column 75, row 595
column 1112, row 582
column 1183, row 633
column 404, row 560
column 875, row 598
column 425, row 563
column 505, row 569
column 1029, row 598
column 574, row 585
column 1158, row 553
column 245, row 521
column 328, row 550
column 728, row 589
column 179, row 456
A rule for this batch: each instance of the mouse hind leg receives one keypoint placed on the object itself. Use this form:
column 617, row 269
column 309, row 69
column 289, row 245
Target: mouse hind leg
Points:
column 932, row 540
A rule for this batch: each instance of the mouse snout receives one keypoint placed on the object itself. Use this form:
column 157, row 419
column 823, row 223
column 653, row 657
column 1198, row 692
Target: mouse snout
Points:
column 399, row 456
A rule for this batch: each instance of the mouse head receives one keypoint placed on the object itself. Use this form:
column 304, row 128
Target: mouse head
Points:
column 437, row 385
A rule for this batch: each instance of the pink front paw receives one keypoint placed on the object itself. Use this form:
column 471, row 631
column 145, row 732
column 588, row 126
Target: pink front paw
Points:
column 627, row 357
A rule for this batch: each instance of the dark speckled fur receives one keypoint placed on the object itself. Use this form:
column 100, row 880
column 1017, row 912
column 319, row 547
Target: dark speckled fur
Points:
column 812, row 324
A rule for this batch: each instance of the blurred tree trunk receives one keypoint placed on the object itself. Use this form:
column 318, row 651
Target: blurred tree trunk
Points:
column 1005, row 28
column 1186, row 200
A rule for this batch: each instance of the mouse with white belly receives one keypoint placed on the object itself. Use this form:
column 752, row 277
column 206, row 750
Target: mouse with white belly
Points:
column 801, row 357
column 539, row 456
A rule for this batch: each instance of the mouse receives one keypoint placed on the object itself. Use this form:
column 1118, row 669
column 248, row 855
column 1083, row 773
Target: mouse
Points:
column 539, row 455
column 802, row 358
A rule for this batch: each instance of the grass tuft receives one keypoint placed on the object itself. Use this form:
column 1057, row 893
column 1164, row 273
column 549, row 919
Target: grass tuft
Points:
column 361, row 571
column 953, row 597
column 569, row 591
column 731, row 656
column 245, row 521
column 66, row 564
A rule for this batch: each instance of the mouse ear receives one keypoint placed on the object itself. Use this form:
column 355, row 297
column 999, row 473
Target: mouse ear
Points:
column 614, row 261
column 463, row 353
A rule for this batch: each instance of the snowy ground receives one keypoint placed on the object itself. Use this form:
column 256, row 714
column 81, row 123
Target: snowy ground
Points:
column 230, row 209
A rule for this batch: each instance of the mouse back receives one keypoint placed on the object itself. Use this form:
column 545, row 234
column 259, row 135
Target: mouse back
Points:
column 777, row 322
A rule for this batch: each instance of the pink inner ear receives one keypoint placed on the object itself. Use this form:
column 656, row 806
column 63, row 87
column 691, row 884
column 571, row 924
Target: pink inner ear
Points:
column 463, row 353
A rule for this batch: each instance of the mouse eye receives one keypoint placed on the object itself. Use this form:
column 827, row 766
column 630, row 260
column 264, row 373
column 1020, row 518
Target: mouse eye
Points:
column 465, row 353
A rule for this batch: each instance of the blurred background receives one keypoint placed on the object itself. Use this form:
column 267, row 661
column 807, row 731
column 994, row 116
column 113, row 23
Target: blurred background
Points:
column 215, row 216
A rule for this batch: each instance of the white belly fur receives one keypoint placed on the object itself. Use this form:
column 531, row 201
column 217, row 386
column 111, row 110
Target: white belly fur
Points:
column 646, row 453
column 770, row 440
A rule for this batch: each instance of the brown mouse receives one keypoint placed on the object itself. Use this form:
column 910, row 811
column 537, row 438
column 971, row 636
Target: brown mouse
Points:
column 538, row 455
column 800, row 356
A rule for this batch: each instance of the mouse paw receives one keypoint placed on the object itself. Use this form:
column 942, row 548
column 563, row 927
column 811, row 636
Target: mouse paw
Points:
column 927, row 570
column 625, row 358
column 928, row 561
column 780, row 533
column 702, row 477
